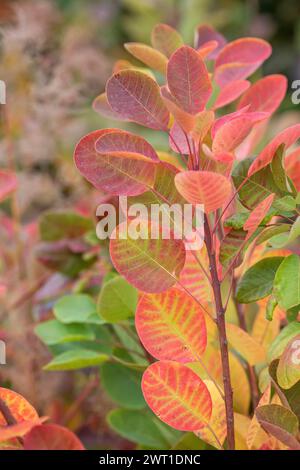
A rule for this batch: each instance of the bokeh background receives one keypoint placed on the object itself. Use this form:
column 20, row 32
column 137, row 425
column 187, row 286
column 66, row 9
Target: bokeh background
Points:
column 55, row 57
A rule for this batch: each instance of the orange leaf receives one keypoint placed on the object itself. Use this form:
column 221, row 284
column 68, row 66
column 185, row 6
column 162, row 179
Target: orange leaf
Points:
column 255, row 433
column 19, row 407
column 177, row 395
column 171, row 326
column 245, row 345
column 203, row 187
column 19, row 429
column 266, row 94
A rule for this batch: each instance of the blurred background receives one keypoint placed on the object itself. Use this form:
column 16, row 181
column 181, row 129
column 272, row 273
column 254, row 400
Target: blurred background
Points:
column 55, row 57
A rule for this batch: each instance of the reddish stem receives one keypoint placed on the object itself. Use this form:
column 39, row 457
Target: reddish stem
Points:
column 220, row 313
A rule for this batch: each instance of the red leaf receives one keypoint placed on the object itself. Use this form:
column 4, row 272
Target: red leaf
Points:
column 19, row 429
column 51, row 437
column 207, row 48
column 165, row 39
column 101, row 106
column 120, row 176
column 205, row 33
column 8, row 183
column 257, row 215
column 177, row 395
column 171, row 326
column 150, row 264
column 185, row 120
column 287, row 137
column 231, row 92
column 179, row 141
column 266, row 94
column 124, row 144
column 188, row 80
column 136, row 96
column 203, row 187
column 292, row 165
column 240, row 58
column 233, row 132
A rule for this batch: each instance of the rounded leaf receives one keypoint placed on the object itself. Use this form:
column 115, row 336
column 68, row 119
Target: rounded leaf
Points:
column 266, row 94
column 19, row 407
column 177, row 395
column 51, row 437
column 171, row 325
column 165, row 39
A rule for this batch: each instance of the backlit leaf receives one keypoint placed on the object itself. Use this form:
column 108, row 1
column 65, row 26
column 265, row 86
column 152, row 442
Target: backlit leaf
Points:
column 254, row 429
column 149, row 56
column 19, row 407
column 165, row 39
column 120, row 176
column 281, row 341
column 245, row 345
column 76, row 359
column 193, row 278
column 266, row 94
column 151, row 265
column 205, row 33
column 177, row 395
column 135, row 96
column 207, row 188
column 240, row 58
column 231, row 92
column 287, row 137
column 102, row 106
column 18, row 430
column 188, row 80
column 171, row 326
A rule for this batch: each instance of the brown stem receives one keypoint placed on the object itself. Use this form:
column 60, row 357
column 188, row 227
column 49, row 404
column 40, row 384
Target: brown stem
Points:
column 220, row 313
column 243, row 325
column 6, row 413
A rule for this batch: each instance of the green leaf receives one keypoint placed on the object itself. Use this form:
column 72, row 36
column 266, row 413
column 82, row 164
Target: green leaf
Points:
column 260, row 185
column 63, row 224
column 289, row 397
column 75, row 308
column 76, row 359
column 287, row 283
column 130, row 341
column 257, row 282
column 273, row 231
column 282, row 340
column 123, row 385
column 54, row 332
column 280, row 422
column 117, row 300
column 286, row 203
column 236, row 221
column 139, row 427
column 271, row 305
column 278, row 170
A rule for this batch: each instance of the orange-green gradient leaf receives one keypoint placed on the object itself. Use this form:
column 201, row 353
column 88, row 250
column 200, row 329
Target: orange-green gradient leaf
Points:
column 165, row 39
column 257, row 215
column 150, row 264
column 205, row 187
column 177, row 395
column 188, row 80
column 120, row 176
column 149, row 56
column 136, row 96
column 171, row 325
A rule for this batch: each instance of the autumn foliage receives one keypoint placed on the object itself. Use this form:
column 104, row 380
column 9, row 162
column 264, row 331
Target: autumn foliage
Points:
column 218, row 326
